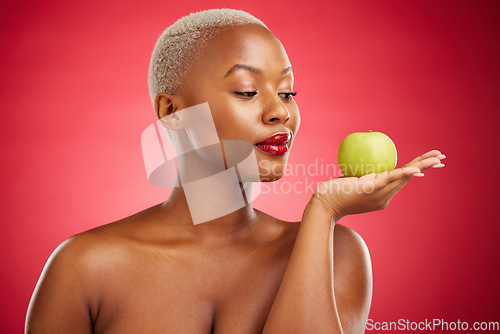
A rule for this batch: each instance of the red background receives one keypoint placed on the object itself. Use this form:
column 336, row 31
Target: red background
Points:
column 74, row 102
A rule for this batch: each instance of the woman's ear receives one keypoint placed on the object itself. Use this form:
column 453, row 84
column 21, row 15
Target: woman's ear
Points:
column 165, row 107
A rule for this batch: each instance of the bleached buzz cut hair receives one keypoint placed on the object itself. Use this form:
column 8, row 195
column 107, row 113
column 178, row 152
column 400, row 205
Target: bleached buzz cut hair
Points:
column 180, row 43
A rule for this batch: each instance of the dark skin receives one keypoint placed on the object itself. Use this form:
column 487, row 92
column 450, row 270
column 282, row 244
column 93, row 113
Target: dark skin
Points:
column 246, row 272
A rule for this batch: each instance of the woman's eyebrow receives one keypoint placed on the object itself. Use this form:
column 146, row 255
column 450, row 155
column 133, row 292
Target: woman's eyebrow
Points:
column 253, row 70
column 287, row 70
column 242, row 67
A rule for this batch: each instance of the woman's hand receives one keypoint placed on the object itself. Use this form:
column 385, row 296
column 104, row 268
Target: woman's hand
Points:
column 348, row 195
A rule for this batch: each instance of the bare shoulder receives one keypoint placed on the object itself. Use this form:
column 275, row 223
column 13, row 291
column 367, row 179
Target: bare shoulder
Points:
column 81, row 252
column 352, row 258
column 353, row 275
column 84, row 249
column 93, row 252
column 75, row 275
column 278, row 229
column 350, row 244
column 63, row 289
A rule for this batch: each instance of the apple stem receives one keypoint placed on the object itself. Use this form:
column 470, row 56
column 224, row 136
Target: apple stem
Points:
column 370, row 130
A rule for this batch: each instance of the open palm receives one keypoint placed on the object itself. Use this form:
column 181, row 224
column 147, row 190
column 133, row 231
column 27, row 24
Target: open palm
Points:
column 349, row 195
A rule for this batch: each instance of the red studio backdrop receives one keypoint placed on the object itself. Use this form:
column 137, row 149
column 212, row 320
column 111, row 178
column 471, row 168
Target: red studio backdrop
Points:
column 74, row 102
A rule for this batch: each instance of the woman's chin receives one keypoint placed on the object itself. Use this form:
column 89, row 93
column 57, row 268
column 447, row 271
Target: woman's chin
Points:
column 271, row 171
column 270, row 178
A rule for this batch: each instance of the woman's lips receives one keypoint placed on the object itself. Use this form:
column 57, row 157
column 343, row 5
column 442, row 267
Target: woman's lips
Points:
column 275, row 145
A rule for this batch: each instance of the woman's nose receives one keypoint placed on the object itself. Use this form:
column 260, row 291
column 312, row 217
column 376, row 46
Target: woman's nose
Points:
column 275, row 112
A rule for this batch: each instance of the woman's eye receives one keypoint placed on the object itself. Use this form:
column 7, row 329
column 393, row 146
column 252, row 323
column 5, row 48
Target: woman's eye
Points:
column 247, row 94
column 288, row 96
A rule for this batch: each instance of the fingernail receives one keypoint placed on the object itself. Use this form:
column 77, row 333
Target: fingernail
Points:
column 438, row 166
column 418, row 174
column 441, row 156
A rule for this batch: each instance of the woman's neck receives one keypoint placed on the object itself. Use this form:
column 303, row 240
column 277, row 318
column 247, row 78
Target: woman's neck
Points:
column 212, row 211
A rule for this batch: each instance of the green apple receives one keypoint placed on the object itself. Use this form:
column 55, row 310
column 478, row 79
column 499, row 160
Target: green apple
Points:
column 362, row 153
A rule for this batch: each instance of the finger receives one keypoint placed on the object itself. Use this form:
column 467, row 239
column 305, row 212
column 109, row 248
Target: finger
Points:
column 402, row 174
column 430, row 154
column 400, row 179
column 397, row 185
column 427, row 163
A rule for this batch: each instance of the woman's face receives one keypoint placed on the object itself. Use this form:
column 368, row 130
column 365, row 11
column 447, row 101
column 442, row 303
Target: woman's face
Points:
column 245, row 76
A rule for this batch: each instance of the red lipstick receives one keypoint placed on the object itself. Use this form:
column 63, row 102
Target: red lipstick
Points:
column 275, row 145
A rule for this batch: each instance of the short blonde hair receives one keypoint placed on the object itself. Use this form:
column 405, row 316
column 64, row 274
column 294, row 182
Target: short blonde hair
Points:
column 179, row 44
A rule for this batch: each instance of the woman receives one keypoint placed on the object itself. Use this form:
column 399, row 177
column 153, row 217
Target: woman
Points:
column 244, row 271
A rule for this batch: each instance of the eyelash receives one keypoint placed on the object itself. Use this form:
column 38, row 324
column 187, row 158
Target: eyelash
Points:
column 288, row 96
column 247, row 94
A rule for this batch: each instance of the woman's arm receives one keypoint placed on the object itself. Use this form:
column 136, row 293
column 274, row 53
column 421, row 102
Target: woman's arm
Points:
column 308, row 300
column 305, row 302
